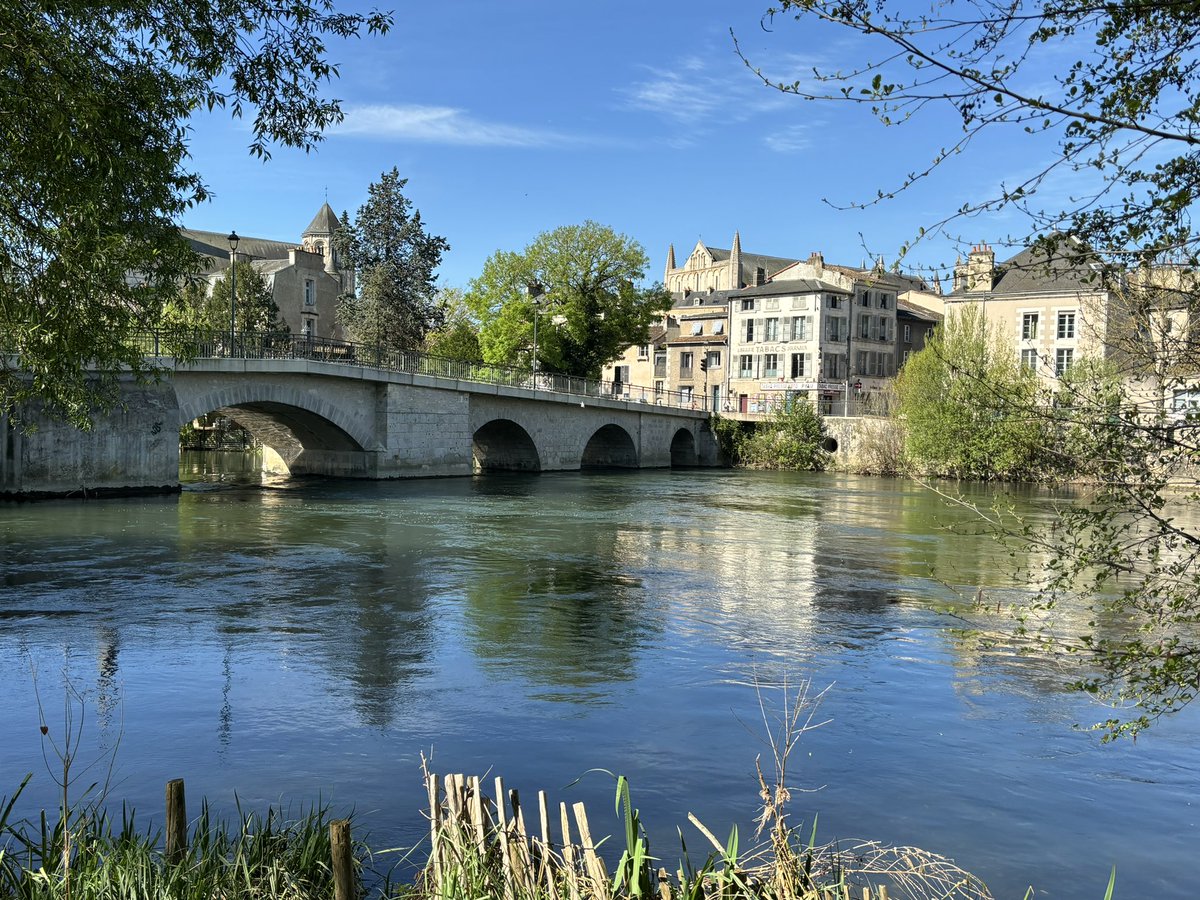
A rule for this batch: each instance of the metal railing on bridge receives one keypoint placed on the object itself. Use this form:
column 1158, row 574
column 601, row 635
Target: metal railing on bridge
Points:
column 267, row 345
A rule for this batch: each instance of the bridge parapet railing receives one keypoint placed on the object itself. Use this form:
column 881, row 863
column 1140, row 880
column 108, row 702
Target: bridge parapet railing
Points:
column 192, row 345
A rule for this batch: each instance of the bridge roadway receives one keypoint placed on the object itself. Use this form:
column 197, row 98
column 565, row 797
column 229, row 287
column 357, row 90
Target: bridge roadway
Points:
column 345, row 420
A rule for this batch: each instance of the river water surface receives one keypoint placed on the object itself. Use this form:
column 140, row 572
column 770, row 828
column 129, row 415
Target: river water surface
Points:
column 305, row 640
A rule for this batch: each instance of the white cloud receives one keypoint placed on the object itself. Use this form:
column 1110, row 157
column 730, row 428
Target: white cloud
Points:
column 788, row 140
column 441, row 125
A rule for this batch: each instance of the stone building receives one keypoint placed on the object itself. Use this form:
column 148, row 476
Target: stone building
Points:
column 818, row 331
column 698, row 354
column 1054, row 312
column 710, row 269
column 306, row 279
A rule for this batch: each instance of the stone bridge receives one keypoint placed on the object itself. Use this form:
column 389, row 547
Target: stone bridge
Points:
column 349, row 421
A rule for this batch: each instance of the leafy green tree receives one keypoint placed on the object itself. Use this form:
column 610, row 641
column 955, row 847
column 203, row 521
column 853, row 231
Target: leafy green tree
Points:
column 591, row 308
column 94, row 113
column 458, row 336
column 395, row 305
column 967, row 405
column 256, row 309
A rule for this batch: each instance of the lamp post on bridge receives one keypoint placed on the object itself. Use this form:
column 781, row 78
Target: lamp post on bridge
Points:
column 536, row 292
column 233, row 287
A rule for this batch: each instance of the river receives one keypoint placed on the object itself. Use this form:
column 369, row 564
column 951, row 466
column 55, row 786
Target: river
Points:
column 301, row 640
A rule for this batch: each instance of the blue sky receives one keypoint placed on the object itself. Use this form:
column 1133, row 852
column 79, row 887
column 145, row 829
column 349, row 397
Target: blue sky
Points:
column 510, row 119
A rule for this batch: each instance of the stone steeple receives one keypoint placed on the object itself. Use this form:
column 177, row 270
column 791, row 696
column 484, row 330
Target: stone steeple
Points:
column 318, row 236
column 735, row 262
column 670, row 261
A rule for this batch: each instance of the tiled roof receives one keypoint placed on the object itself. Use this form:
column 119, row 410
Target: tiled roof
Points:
column 324, row 222
column 215, row 245
column 791, row 286
column 1034, row 270
column 917, row 312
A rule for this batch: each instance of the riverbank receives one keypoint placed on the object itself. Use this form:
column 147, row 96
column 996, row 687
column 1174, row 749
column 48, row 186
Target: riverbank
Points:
column 479, row 846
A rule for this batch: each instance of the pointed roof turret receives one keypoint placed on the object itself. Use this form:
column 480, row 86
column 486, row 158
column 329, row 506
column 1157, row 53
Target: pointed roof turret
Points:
column 670, row 258
column 735, row 262
column 324, row 222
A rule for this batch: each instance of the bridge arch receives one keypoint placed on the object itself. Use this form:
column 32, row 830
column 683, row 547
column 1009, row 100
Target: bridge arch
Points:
column 297, row 425
column 502, row 445
column 609, row 447
column 683, row 449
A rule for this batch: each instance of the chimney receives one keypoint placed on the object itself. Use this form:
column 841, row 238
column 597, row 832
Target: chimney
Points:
column 817, row 261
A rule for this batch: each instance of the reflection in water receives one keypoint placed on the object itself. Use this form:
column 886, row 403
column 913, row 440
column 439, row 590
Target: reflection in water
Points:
column 303, row 637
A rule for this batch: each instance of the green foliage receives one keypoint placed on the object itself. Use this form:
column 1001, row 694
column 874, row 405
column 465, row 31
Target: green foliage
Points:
column 458, row 336
column 969, row 409
column 592, row 308
column 792, row 437
column 94, row 110
column 395, row 306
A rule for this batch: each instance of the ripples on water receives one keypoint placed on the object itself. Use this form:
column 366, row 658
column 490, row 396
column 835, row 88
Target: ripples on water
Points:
column 305, row 639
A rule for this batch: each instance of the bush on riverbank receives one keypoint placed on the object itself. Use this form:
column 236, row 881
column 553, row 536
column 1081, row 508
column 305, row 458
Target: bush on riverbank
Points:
column 793, row 437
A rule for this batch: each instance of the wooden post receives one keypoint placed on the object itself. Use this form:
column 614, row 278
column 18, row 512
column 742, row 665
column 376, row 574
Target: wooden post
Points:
column 176, row 822
column 342, row 859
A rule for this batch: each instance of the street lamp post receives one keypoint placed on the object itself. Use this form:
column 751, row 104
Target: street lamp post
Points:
column 233, row 245
column 536, row 292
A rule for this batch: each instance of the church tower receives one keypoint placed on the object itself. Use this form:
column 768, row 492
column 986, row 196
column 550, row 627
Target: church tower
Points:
column 670, row 264
column 735, row 262
column 318, row 236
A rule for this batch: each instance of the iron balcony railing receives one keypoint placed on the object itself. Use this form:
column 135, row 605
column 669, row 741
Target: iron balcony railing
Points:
column 190, row 346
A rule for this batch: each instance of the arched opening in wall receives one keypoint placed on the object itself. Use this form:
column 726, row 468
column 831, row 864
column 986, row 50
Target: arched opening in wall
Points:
column 504, row 446
column 282, row 440
column 683, row 449
column 610, row 447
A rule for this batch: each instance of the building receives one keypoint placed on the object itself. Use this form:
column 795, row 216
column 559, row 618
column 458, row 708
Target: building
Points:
column 697, row 354
column 710, row 269
column 643, row 366
column 306, row 279
column 914, row 325
column 1054, row 311
column 816, row 331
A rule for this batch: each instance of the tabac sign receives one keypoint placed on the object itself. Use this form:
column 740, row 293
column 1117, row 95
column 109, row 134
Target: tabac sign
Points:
column 801, row 386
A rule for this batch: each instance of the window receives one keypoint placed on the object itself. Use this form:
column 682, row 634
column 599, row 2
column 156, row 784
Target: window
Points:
column 905, row 356
column 310, row 292
column 685, row 363
column 746, row 366
column 1029, row 360
column 835, row 329
column 771, row 365
column 864, row 326
column 749, row 331
column 1063, row 357
column 863, row 362
column 760, row 276
column 833, row 366
column 833, row 301
column 771, row 331
column 799, row 303
column 747, row 306
column 1029, row 324
column 771, row 303
column 799, row 365
column 306, row 327
column 908, row 334
column 685, row 394
column 884, row 300
column 881, row 364
column 802, row 328
column 714, row 359
column 620, row 375
column 864, row 299
column 697, row 328
column 658, row 387
column 1066, row 325
column 644, row 351
column 718, row 327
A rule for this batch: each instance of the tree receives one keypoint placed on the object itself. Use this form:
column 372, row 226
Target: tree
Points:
column 94, row 109
column 1110, row 93
column 792, row 437
column 395, row 304
column 458, row 336
column 967, row 404
column 591, row 308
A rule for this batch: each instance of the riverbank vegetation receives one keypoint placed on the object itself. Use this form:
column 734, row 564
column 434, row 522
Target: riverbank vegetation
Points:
column 791, row 437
